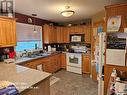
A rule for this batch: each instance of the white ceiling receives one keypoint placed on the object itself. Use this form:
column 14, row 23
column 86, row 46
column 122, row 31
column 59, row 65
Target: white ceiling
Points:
column 50, row 9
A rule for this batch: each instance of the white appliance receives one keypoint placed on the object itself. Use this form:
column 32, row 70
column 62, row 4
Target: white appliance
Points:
column 74, row 62
column 100, row 60
column 77, row 38
column 81, row 49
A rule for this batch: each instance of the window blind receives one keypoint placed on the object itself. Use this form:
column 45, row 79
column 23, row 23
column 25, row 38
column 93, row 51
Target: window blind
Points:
column 25, row 32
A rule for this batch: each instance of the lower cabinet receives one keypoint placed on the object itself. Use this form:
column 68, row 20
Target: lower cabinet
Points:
column 63, row 60
column 43, row 88
column 49, row 64
column 86, row 64
column 53, row 63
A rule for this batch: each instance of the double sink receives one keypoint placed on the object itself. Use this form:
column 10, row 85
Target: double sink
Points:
column 31, row 57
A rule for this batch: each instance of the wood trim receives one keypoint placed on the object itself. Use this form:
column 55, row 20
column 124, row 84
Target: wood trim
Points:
column 5, row 17
column 116, row 5
column 22, row 18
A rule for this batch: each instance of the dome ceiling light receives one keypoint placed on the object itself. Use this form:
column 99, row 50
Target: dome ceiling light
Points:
column 67, row 12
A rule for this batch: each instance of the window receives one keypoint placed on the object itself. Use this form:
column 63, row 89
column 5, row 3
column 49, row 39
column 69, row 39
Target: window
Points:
column 27, row 38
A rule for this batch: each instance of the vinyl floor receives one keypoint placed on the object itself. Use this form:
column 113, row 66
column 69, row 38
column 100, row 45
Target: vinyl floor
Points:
column 73, row 84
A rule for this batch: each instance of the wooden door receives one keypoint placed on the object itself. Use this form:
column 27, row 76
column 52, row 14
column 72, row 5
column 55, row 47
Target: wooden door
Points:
column 63, row 60
column 59, row 61
column 46, row 33
column 10, row 30
column 66, row 35
column 87, row 31
column 58, row 29
column 2, row 32
column 86, row 64
column 7, row 32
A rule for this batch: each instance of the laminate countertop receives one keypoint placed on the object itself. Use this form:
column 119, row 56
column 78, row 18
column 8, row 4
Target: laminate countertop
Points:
column 26, row 59
column 22, row 77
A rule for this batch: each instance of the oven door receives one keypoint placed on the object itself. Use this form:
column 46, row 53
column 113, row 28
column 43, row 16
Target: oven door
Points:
column 74, row 59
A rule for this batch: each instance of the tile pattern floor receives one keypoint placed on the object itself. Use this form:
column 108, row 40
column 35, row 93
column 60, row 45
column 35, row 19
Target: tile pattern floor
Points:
column 73, row 84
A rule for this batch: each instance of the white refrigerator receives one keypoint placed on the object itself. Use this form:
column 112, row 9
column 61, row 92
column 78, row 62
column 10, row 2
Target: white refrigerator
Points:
column 100, row 60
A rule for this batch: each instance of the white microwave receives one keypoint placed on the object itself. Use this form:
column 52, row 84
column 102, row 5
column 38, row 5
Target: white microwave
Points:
column 77, row 38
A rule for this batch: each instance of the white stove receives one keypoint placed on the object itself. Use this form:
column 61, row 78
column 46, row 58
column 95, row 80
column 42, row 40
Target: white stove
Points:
column 74, row 62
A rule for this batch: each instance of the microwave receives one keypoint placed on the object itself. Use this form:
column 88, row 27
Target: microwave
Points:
column 77, row 38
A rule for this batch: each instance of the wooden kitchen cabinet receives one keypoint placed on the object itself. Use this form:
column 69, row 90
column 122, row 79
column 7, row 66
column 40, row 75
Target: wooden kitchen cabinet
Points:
column 76, row 29
column 59, row 61
column 87, row 31
column 49, row 34
column 49, row 64
column 86, row 64
column 60, row 34
column 66, row 35
column 63, row 60
column 7, row 32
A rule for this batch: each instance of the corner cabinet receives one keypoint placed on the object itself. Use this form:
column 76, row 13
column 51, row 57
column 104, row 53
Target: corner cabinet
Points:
column 7, row 32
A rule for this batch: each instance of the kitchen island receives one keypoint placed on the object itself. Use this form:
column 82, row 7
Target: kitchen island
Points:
column 27, row 81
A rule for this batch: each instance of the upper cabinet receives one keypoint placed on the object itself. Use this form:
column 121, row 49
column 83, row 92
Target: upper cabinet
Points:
column 87, row 31
column 7, row 32
column 118, row 10
column 61, row 34
column 49, row 34
column 76, row 29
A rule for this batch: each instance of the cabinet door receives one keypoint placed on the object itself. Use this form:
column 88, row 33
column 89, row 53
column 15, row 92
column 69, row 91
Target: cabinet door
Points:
column 2, row 32
column 10, row 30
column 60, row 34
column 66, row 35
column 58, row 61
column 88, row 35
column 72, row 30
column 49, row 36
column 63, row 60
column 86, row 64
column 46, row 33
column 47, row 67
column 7, row 32
column 87, row 31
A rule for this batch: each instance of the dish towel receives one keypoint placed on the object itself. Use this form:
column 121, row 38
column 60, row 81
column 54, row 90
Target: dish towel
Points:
column 8, row 88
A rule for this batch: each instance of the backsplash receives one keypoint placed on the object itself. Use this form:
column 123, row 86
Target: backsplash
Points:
column 65, row 46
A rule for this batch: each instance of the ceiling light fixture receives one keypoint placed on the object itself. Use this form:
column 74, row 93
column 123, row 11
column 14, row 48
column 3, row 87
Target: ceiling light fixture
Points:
column 67, row 12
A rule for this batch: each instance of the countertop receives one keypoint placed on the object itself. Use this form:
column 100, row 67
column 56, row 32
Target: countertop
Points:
column 26, row 59
column 22, row 77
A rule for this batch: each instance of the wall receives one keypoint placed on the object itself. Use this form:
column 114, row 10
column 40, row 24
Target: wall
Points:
column 98, row 16
column 118, row 10
column 22, row 18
